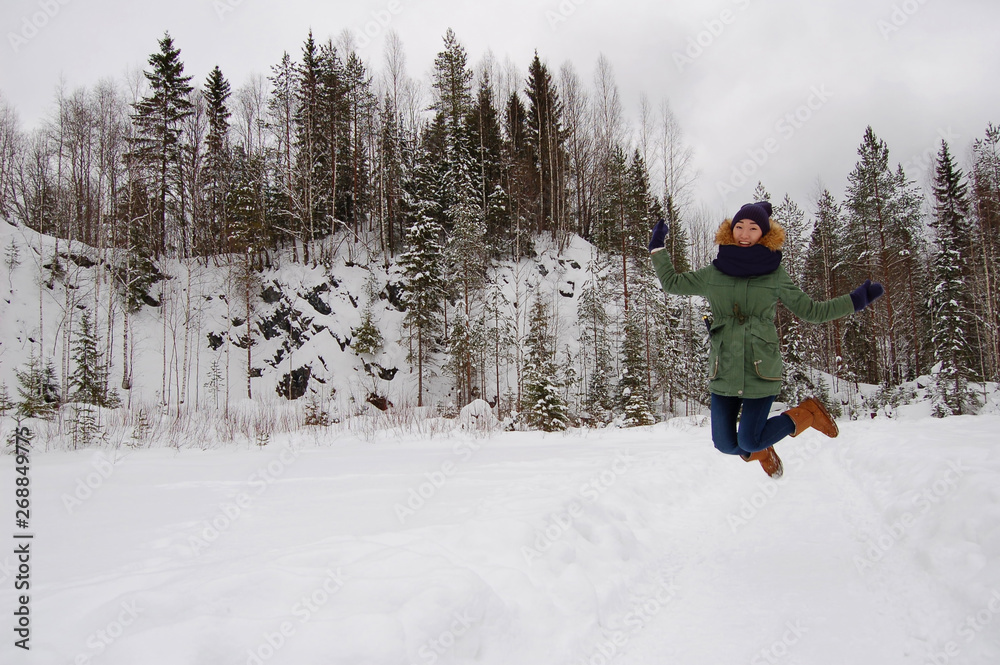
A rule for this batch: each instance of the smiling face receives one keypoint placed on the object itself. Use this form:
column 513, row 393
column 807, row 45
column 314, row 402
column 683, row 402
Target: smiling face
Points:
column 746, row 233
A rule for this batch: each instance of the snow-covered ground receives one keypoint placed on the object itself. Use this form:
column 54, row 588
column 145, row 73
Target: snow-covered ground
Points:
column 615, row 546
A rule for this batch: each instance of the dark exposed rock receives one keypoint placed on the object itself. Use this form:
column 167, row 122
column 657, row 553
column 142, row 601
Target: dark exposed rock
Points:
column 293, row 384
column 394, row 294
column 314, row 299
column 271, row 294
column 386, row 374
column 214, row 341
column 379, row 401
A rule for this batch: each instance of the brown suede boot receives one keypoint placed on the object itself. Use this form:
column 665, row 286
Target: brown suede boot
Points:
column 811, row 413
column 769, row 461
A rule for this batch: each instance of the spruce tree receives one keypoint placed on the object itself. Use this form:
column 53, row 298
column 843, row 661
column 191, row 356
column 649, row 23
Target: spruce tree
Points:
column 89, row 380
column 883, row 243
column 38, row 389
column 423, row 271
column 311, row 179
column 951, row 309
column 6, row 403
column 546, row 139
column 353, row 195
column 593, row 319
column 157, row 143
column 633, row 383
column 214, row 383
column 462, row 352
column 542, row 403
column 986, row 247
column 797, row 382
column 217, row 160
column 85, row 430
column 520, row 186
column 823, row 278
column 367, row 338
column 487, row 148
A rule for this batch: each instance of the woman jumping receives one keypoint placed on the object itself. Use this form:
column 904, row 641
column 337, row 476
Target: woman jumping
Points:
column 743, row 286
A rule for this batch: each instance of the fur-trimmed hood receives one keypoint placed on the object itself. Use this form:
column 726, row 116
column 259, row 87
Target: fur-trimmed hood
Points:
column 774, row 239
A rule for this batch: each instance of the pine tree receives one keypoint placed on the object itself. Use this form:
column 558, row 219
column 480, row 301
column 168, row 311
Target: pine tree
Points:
column 38, row 389
column 546, row 139
column 84, row 427
column 883, row 243
column 594, row 321
column 141, row 429
column 986, row 247
column 633, row 383
column 487, row 148
column 157, row 144
column 89, row 380
column 823, row 279
column 310, row 186
column 423, row 271
column 678, row 238
column 353, row 190
column 215, row 381
column 452, row 83
column 367, row 338
column 462, row 351
column 797, row 382
column 542, row 403
column 951, row 310
column 520, row 185
column 217, row 160
column 11, row 259
column 6, row 403
column 282, row 111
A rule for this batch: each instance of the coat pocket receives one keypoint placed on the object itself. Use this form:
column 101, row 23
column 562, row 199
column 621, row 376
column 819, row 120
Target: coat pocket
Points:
column 766, row 355
column 714, row 358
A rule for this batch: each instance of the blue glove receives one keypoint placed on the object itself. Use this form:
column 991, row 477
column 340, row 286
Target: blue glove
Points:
column 866, row 294
column 659, row 237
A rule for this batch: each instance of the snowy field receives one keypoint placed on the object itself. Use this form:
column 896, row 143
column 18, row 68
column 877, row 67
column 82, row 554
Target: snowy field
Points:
column 617, row 546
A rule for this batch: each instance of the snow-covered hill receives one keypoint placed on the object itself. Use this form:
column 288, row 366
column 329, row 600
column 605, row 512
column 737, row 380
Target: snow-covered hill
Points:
column 635, row 546
column 193, row 321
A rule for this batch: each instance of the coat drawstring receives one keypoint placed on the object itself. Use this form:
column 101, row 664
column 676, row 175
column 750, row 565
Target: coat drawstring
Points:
column 740, row 316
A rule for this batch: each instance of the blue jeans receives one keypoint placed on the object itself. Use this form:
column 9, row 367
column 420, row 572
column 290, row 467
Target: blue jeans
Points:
column 756, row 431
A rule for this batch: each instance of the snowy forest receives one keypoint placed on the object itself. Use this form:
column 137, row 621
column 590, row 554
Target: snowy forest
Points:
column 141, row 202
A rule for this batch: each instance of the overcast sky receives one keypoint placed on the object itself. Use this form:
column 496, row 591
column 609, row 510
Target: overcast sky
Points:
column 780, row 89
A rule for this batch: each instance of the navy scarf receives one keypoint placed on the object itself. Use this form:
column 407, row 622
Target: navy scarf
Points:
column 752, row 261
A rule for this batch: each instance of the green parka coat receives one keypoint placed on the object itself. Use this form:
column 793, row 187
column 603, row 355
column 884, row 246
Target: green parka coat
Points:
column 745, row 360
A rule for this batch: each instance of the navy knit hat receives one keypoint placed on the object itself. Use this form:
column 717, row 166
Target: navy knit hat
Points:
column 759, row 213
